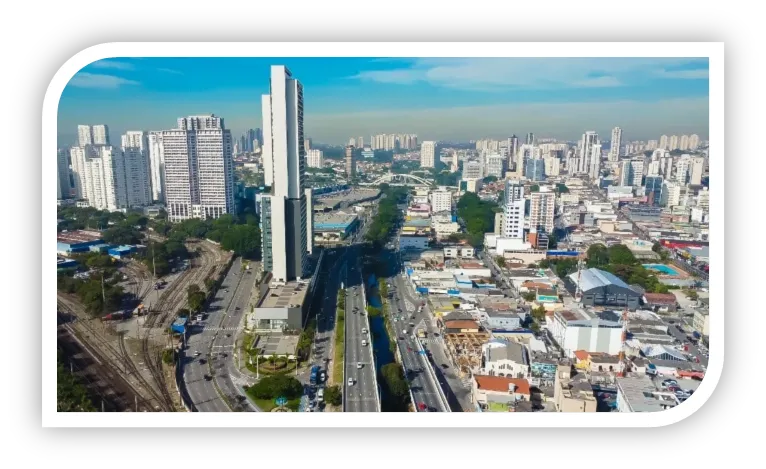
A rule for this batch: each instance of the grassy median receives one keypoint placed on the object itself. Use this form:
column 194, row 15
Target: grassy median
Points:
column 340, row 333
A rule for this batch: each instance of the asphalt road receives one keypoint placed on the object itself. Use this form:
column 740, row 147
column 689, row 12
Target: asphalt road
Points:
column 215, row 347
column 681, row 337
column 362, row 395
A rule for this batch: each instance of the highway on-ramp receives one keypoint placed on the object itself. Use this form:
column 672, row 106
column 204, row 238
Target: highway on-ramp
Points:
column 361, row 394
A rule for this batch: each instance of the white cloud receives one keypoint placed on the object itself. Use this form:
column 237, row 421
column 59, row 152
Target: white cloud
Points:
column 533, row 73
column 112, row 64
column 94, row 80
column 169, row 70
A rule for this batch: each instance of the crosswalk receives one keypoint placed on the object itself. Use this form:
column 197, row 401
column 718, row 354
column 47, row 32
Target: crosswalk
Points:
column 224, row 329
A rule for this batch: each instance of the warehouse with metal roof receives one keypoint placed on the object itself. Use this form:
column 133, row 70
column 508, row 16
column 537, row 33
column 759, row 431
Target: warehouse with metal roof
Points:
column 601, row 288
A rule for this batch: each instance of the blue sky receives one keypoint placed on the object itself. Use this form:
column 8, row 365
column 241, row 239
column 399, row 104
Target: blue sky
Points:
column 437, row 98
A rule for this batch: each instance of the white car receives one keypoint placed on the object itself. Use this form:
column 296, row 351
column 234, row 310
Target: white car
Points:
column 351, row 381
column 364, row 331
column 359, row 366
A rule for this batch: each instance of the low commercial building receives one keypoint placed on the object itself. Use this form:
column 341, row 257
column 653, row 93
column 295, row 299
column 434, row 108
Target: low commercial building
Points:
column 413, row 242
column 282, row 307
column 572, row 392
column 334, row 225
column 499, row 394
column 505, row 358
column 69, row 242
column 637, row 394
column 662, row 302
column 601, row 288
column 576, row 330
column 459, row 252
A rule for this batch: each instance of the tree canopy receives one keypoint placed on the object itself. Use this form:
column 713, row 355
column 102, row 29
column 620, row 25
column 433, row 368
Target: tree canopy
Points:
column 478, row 216
column 280, row 385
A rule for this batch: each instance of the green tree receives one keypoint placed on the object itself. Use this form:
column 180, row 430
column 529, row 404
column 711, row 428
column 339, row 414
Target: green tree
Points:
column 620, row 254
column 332, row 395
column 271, row 387
column 195, row 298
column 534, row 188
column 500, row 261
column 597, row 255
column 71, row 395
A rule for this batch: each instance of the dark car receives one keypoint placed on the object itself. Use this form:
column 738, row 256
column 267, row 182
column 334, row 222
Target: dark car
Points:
column 202, row 361
column 208, row 377
column 401, row 338
column 445, row 366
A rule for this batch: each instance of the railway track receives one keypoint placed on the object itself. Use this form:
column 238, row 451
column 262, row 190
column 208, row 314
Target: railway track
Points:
column 103, row 351
column 169, row 302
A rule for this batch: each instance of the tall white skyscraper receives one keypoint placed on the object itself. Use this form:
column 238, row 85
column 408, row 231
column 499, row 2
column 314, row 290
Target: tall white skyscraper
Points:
column 199, row 168
column 626, row 176
column 513, row 211
column 455, row 162
column 683, row 166
column 637, row 170
column 101, row 135
column 267, row 152
column 157, row 166
column 694, row 142
column 427, row 154
column 542, row 209
column 664, row 142
column 360, row 142
column 594, row 170
column 441, row 201
column 135, row 146
column 614, row 150
column 285, row 220
column 589, row 139
column 684, row 143
column 494, row 165
column 673, row 145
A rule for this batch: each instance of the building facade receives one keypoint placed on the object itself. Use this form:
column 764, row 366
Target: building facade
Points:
column 542, row 209
column 427, row 154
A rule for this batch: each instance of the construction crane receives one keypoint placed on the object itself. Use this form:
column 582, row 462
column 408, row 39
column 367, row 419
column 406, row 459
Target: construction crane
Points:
column 623, row 360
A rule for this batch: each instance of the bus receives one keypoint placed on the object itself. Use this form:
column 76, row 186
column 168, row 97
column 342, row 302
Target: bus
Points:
column 314, row 375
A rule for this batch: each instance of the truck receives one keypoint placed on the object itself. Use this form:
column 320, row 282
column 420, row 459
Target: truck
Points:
column 421, row 333
column 696, row 335
column 314, row 375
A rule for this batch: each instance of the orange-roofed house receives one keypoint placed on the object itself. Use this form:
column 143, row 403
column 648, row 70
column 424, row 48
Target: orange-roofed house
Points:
column 498, row 393
column 461, row 325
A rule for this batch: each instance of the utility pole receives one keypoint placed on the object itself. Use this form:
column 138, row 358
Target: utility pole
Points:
column 136, row 398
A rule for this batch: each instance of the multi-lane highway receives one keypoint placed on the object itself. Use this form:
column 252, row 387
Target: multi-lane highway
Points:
column 208, row 361
column 361, row 394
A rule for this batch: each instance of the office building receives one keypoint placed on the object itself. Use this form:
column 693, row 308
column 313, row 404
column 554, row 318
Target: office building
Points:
column 285, row 235
column 530, row 139
column 671, row 194
column 199, row 168
column 472, row 170
column 427, row 154
column 653, row 190
column 350, row 166
column 513, row 210
column 156, row 166
column 637, row 170
column 616, row 143
column 542, row 208
column 626, row 175
column 314, row 158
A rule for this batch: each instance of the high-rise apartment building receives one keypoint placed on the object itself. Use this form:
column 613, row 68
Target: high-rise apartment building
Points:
column 653, row 190
column 350, row 166
column 637, row 170
column 157, row 166
column 441, row 200
column 542, row 209
column 651, row 145
column 673, row 144
column 286, row 228
column 109, row 178
column 360, row 142
column 666, row 167
column 664, row 142
column 626, row 175
column 494, row 165
column 614, row 149
column 697, row 168
column 93, row 135
column 135, row 154
column 684, row 143
column 694, row 142
column 530, row 139
column 455, row 167
column 314, row 158
column 683, row 167
column 199, row 168
column 472, row 170
column 589, row 139
column 513, row 150
column 63, row 181
column 513, row 210
column 594, row 169
column 427, row 154
column 671, row 194
column 534, row 169
column 552, row 165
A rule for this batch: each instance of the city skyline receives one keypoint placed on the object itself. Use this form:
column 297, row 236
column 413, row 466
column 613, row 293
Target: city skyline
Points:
column 456, row 99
